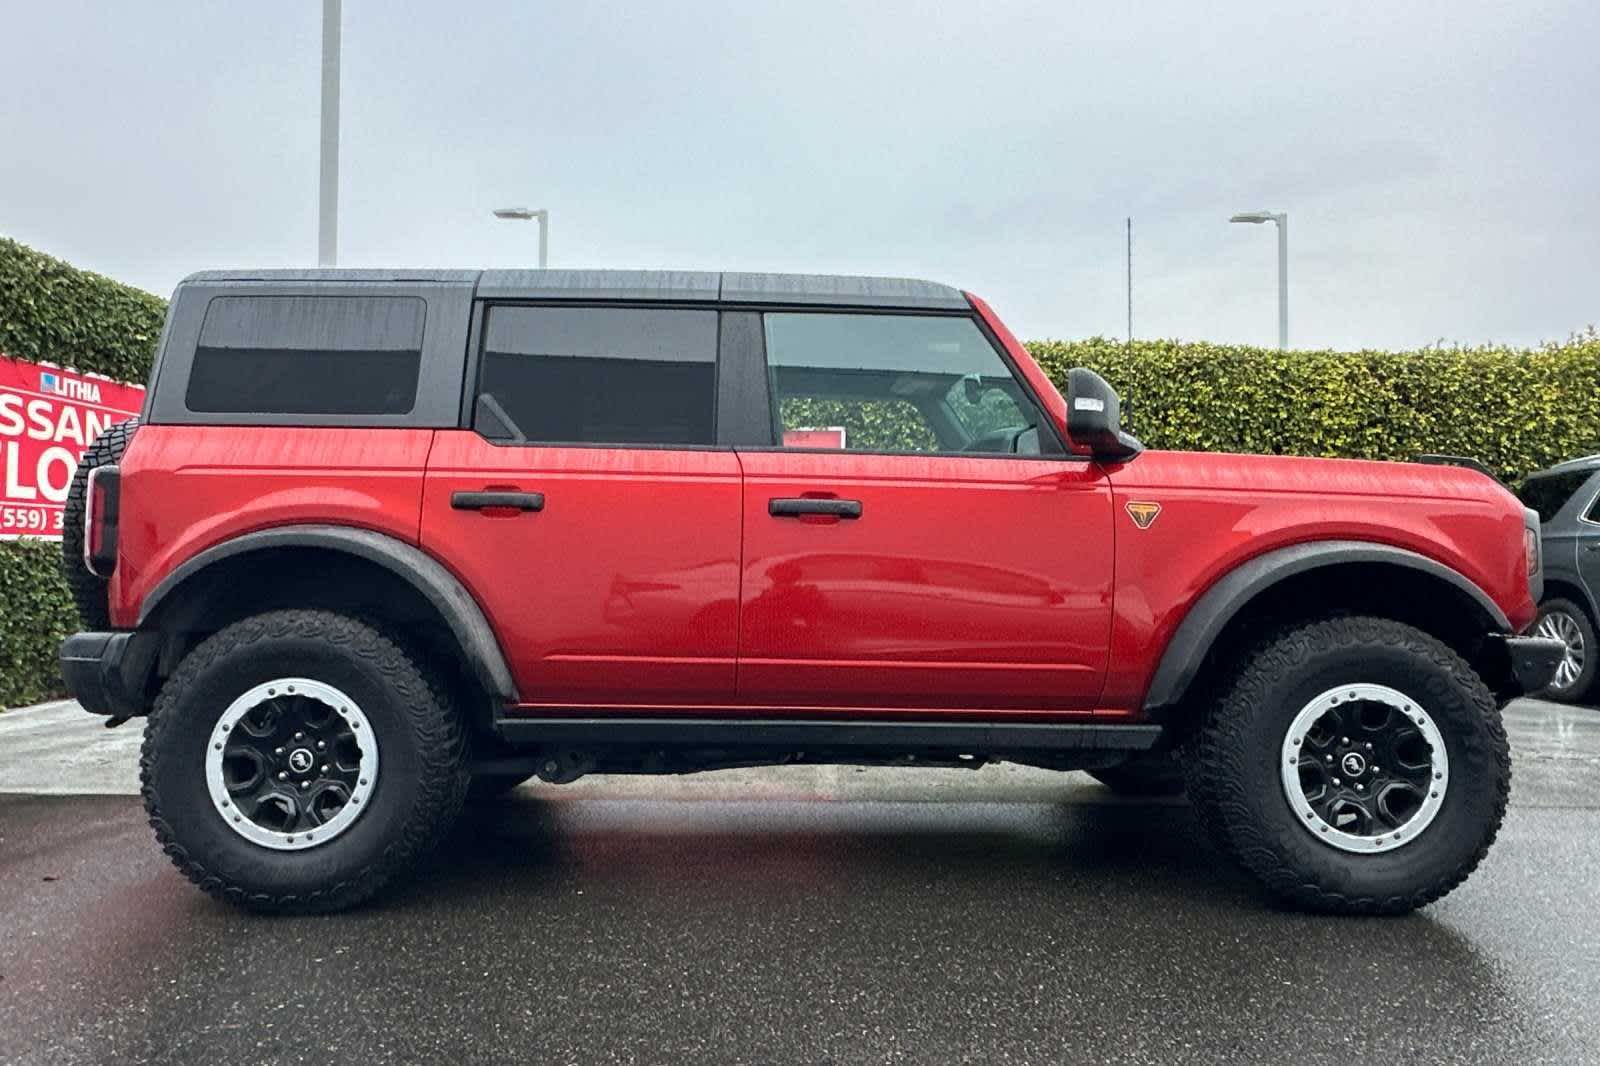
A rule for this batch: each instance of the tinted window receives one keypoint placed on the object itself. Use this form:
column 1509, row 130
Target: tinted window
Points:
column 1548, row 493
column 598, row 376
column 298, row 355
column 863, row 382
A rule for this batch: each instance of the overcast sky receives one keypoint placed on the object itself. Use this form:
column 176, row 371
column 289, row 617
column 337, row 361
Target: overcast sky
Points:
column 1440, row 162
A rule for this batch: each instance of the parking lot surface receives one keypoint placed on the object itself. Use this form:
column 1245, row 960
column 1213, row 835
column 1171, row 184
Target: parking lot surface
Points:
column 804, row 915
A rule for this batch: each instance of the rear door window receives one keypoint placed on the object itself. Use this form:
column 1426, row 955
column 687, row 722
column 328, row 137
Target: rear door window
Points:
column 598, row 375
column 308, row 355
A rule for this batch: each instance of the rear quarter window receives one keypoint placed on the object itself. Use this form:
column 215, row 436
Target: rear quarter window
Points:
column 308, row 355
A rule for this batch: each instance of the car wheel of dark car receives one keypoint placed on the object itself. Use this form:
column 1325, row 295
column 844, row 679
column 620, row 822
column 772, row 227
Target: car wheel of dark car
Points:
column 297, row 760
column 1354, row 765
column 1567, row 622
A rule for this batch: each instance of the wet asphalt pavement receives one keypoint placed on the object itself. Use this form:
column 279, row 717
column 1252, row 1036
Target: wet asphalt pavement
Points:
column 846, row 918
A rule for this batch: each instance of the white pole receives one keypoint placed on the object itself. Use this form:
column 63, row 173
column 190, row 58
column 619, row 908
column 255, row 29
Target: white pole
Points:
column 544, row 240
column 1283, row 281
column 328, row 192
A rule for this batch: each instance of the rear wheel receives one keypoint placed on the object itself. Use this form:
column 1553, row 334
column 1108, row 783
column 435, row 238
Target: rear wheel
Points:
column 1569, row 623
column 1353, row 765
column 298, row 760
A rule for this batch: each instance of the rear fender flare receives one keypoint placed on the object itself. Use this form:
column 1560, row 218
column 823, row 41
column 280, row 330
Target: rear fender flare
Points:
column 456, row 606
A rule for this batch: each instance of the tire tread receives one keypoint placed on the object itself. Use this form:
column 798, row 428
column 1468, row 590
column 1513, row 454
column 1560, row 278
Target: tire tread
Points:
column 1219, row 745
column 423, row 698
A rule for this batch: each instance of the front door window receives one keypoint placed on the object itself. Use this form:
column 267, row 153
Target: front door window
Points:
column 895, row 383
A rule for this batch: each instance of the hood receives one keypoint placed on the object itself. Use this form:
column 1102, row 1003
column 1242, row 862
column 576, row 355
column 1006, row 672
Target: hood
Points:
column 1226, row 472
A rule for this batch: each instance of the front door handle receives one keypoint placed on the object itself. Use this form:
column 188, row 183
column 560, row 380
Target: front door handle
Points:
column 1592, row 547
column 803, row 506
column 482, row 501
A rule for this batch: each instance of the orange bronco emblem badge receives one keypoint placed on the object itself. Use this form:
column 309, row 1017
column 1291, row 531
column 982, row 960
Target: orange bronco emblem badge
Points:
column 1143, row 513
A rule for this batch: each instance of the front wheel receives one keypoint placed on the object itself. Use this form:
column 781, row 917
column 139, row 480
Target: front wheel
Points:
column 1353, row 765
column 298, row 760
column 1567, row 622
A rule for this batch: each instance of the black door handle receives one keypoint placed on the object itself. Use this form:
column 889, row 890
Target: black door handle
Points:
column 478, row 501
column 1592, row 548
column 807, row 505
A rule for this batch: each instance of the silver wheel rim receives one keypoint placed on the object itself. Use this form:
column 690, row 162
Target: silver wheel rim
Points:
column 1563, row 627
column 1405, row 735
column 280, row 776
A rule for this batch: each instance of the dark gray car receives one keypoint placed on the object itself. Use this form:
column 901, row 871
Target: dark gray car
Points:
column 1567, row 497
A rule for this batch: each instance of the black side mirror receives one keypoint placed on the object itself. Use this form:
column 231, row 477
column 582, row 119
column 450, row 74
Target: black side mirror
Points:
column 1094, row 418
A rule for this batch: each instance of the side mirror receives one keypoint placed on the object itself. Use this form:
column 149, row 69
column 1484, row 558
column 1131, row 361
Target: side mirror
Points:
column 1094, row 418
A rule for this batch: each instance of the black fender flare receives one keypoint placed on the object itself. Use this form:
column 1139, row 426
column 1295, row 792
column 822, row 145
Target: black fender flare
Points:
column 437, row 585
column 1212, row 612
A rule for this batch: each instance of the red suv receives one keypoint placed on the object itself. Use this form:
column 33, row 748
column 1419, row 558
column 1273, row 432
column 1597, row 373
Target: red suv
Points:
column 382, row 539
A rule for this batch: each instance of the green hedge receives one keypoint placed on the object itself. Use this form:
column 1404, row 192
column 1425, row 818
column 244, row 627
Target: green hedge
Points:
column 1516, row 410
column 37, row 613
column 52, row 312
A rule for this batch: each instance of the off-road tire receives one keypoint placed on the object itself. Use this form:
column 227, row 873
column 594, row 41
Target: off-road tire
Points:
column 420, row 787
column 1580, row 688
column 1232, row 766
column 89, row 591
column 1143, row 775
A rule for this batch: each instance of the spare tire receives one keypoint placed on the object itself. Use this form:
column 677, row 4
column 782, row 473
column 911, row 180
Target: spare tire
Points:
column 89, row 591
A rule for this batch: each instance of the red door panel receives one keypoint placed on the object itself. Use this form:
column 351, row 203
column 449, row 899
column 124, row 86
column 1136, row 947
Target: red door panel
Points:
column 965, row 583
column 622, row 590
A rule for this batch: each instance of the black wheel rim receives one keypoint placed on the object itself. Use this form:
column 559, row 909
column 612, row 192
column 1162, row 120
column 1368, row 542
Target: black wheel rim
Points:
column 291, row 763
column 1364, row 768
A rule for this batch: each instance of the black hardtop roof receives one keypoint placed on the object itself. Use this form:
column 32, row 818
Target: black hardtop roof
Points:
column 675, row 286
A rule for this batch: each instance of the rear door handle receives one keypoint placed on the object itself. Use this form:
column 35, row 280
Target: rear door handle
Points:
column 806, row 505
column 480, row 501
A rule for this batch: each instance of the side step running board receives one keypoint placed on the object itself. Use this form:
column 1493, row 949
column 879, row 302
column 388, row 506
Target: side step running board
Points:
column 802, row 734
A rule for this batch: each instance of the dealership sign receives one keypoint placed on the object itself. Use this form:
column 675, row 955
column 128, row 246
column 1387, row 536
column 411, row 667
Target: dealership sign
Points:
column 48, row 417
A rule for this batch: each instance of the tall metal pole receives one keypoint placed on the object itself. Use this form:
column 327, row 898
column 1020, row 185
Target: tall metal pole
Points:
column 328, row 191
column 1130, row 279
column 1283, row 281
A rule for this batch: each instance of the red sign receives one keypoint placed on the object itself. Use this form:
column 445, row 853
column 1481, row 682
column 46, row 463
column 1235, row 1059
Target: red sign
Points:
column 818, row 437
column 48, row 417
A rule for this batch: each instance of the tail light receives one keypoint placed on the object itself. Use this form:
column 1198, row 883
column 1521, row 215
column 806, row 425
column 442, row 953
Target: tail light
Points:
column 1530, row 547
column 102, row 498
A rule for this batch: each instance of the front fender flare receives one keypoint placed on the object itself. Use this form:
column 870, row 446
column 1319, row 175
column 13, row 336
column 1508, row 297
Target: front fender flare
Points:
column 437, row 585
column 1210, row 615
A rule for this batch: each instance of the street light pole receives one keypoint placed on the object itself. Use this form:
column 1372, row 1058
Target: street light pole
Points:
column 1281, row 218
column 1283, row 281
column 523, row 214
column 328, row 191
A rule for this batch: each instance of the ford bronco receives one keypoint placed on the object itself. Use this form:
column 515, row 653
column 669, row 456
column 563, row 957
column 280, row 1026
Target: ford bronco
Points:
column 383, row 539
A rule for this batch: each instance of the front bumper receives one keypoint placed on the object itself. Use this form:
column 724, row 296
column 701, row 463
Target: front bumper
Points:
column 108, row 673
column 1532, row 661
